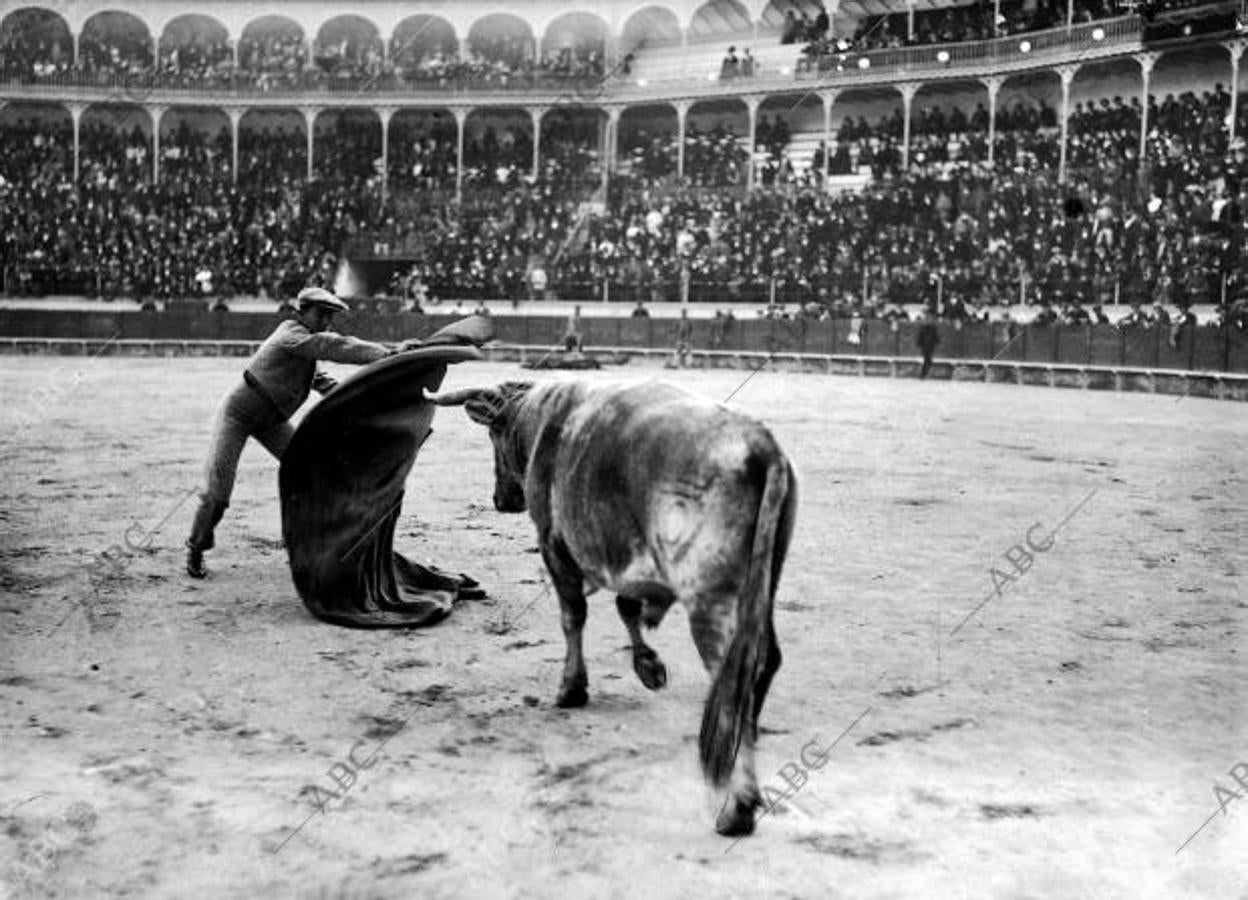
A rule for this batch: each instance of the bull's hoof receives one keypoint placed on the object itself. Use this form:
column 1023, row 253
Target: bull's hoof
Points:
column 572, row 697
column 650, row 669
column 736, row 819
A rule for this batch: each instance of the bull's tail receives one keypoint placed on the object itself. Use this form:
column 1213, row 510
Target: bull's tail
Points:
column 730, row 706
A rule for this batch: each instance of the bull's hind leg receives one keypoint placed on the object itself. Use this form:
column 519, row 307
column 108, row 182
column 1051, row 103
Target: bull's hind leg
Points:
column 711, row 621
column 569, row 585
column 646, row 662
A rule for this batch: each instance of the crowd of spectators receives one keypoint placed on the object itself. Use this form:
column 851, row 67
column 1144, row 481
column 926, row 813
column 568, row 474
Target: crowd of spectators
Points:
column 196, row 233
column 954, row 227
column 950, row 226
column 803, row 27
column 945, row 25
column 714, row 157
column 281, row 59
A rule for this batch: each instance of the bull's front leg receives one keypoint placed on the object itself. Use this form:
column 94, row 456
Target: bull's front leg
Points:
column 569, row 585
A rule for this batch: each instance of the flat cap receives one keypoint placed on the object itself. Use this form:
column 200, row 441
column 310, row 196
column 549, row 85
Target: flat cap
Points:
column 315, row 296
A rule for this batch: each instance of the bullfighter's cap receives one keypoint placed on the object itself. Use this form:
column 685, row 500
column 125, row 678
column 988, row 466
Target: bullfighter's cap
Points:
column 315, row 296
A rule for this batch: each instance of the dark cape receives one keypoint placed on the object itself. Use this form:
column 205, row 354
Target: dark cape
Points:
column 341, row 483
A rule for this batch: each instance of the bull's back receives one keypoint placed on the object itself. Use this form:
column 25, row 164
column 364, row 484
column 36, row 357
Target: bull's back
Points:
column 654, row 485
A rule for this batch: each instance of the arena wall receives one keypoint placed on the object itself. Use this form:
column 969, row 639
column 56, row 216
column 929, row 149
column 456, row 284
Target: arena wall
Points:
column 1094, row 356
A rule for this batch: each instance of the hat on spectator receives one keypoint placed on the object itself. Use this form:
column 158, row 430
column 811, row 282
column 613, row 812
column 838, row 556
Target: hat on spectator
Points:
column 315, row 296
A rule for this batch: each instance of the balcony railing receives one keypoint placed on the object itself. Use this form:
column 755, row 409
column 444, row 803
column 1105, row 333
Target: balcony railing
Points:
column 972, row 59
column 139, row 86
column 1091, row 39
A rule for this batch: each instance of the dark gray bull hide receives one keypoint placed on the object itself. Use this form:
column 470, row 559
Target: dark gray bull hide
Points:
column 657, row 495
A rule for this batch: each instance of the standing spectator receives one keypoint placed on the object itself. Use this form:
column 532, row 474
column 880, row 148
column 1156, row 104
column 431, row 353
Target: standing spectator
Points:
column 928, row 339
column 684, row 339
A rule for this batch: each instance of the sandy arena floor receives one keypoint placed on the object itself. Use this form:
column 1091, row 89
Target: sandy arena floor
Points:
column 164, row 738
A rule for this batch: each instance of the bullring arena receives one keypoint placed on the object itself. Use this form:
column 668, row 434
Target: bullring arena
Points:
column 1013, row 608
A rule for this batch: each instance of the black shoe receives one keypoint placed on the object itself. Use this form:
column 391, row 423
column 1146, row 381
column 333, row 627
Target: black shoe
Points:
column 195, row 563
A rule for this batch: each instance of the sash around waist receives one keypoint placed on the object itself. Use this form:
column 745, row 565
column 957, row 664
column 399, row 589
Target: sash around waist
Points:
column 254, row 383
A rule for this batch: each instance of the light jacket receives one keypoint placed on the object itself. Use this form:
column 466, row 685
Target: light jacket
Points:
column 284, row 368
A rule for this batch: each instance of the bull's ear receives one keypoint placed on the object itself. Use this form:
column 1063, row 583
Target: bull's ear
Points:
column 484, row 408
column 512, row 391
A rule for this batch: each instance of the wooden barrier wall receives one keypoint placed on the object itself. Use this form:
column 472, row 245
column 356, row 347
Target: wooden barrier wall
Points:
column 1205, row 348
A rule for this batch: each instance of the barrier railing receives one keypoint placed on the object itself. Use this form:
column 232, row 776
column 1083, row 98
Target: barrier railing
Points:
column 1204, row 348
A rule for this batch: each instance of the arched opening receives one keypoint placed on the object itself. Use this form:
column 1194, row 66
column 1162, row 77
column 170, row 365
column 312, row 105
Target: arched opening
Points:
column 1028, row 107
column 194, row 44
column 348, row 146
column 115, row 42
column 502, row 38
column 574, row 45
column 720, row 20
column 348, row 45
column 796, row 21
column 653, row 26
column 498, row 148
column 1105, row 113
column 195, row 142
column 647, row 142
column 716, row 134
column 422, row 149
column 569, row 151
column 868, row 125
column 272, row 148
column 421, row 43
column 273, row 47
column 38, row 144
column 1189, row 89
column 115, row 146
column 34, row 42
column 949, row 124
column 789, row 140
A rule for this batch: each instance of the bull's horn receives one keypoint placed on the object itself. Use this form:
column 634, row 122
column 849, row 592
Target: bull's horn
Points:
column 452, row 398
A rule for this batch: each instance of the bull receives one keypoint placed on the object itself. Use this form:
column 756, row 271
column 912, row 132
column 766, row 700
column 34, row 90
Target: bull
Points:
column 658, row 495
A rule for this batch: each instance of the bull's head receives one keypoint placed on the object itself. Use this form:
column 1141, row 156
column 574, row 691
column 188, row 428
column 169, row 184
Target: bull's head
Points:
column 495, row 408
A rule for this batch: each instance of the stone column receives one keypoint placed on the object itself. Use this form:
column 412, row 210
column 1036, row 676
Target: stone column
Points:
column 610, row 145
column 157, row 113
column 993, row 84
column 682, row 114
column 384, row 114
column 829, row 100
column 536, row 113
column 1236, row 49
column 1146, row 61
column 908, row 90
column 1067, row 74
column 461, row 118
column 309, row 117
column 236, row 117
column 75, row 115
column 751, row 108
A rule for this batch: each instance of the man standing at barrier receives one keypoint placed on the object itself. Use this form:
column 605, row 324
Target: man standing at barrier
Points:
column 928, row 339
column 275, row 384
